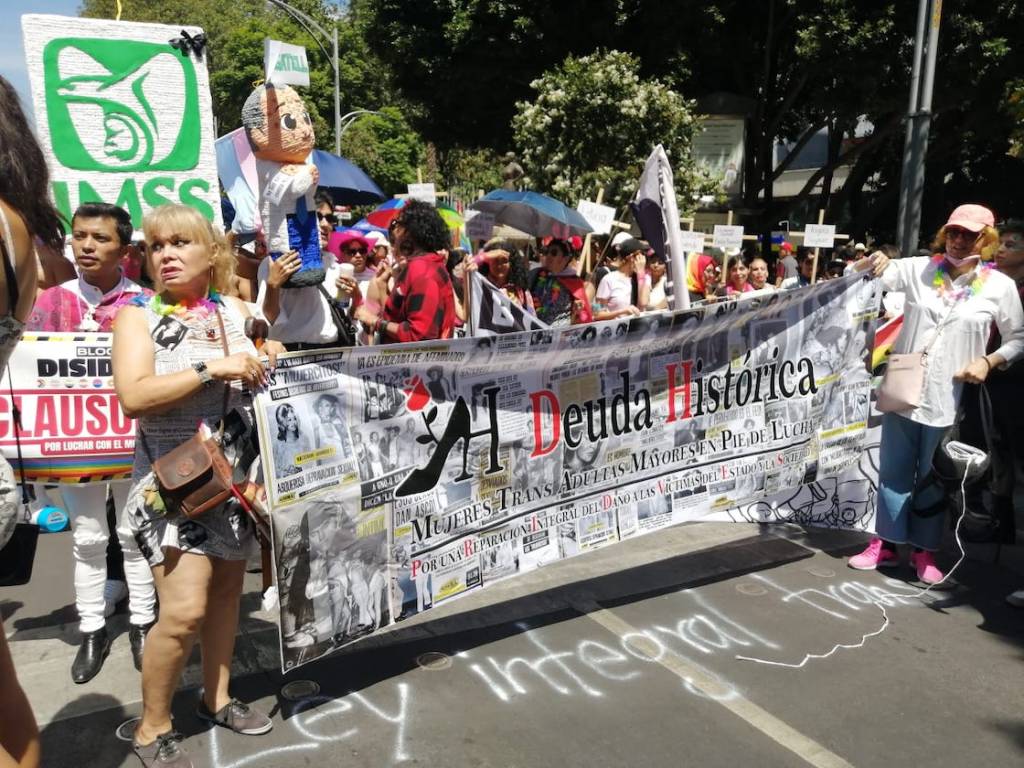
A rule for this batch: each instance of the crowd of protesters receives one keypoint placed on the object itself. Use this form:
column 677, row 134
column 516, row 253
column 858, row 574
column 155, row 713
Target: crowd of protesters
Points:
column 232, row 312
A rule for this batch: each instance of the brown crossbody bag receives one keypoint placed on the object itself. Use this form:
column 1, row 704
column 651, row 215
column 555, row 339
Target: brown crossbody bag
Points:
column 196, row 476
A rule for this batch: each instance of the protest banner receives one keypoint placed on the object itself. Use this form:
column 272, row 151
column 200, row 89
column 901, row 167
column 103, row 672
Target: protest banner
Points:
column 728, row 237
column 450, row 465
column 285, row 64
column 692, row 242
column 72, row 426
column 492, row 312
column 599, row 217
column 479, row 225
column 820, row 235
column 123, row 113
column 656, row 211
column 426, row 192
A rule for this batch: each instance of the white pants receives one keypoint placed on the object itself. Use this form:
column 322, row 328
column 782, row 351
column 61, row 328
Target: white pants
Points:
column 86, row 505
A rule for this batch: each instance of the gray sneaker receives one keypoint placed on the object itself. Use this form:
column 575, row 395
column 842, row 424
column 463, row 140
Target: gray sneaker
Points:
column 164, row 752
column 238, row 717
column 1016, row 599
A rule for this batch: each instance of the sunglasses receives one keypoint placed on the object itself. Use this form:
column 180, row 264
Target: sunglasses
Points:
column 354, row 251
column 499, row 261
column 329, row 217
column 962, row 233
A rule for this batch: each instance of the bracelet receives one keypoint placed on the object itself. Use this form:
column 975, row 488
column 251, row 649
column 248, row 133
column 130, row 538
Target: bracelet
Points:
column 989, row 364
column 379, row 326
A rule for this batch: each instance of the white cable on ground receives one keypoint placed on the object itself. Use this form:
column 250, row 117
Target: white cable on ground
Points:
column 969, row 456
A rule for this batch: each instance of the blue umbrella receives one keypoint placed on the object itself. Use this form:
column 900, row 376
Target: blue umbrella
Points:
column 533, row 213
column 348, row 184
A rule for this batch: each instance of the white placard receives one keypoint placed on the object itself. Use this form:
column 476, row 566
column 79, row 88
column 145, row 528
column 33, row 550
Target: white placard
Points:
column 123, row 113
column 820, row 235
column 728, row 236
column 693, row 242
column 285, row 64
column 480, row 225
column 425, row 192
column 599, row 217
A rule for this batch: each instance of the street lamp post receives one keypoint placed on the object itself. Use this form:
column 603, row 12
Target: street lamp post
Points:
column 318, row 33
column 347, row 119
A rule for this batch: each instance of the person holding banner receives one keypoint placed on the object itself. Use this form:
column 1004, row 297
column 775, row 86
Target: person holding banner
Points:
column 615, row 293
column 736, row 274
column 25, row 213
column 559, row 296
column 758, row 275
column 503, row 265
column 100, row 236
column 805, row 270
column 171, row 373
column 701, row 277
column 953, row 297
column 422, row 303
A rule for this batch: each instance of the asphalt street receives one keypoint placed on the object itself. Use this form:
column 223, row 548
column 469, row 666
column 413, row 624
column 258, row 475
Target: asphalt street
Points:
column 642, row 654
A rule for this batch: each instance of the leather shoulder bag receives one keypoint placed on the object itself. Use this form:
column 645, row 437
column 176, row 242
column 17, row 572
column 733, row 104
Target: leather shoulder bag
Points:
column 195, row 477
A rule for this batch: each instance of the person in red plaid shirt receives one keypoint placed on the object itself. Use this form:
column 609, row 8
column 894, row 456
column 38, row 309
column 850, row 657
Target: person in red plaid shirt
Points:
column 422, row 303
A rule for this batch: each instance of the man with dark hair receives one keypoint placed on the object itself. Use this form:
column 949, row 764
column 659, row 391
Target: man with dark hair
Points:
column 805, row 269
column 326, row 218
column 422, row 303
column 101, row 235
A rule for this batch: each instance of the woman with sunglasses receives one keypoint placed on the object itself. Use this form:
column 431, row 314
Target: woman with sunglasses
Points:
column 503, row 265
column 559, row 296
column 952, row 301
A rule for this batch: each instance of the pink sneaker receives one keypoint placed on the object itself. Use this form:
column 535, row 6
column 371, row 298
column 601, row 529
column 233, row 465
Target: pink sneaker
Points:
column 875, row 556
column 924, row 564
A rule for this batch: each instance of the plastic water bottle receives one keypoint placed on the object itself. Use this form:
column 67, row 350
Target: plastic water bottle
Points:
column 50, row 519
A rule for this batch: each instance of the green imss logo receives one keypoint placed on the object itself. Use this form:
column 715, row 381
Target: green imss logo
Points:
column 121, row 105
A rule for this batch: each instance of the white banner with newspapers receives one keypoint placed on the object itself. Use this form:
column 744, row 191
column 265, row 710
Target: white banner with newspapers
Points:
column 405, row 476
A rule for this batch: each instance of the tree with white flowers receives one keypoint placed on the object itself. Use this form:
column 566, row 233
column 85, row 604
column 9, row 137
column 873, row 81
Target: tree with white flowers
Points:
column 593, row 124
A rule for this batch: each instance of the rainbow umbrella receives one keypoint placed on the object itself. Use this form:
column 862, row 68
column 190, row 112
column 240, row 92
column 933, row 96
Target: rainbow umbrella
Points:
column 383, row 216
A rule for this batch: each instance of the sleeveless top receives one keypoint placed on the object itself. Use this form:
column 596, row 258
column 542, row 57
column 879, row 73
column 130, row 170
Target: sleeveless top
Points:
column 178, row 343
column 10, row 332
column 10, row 326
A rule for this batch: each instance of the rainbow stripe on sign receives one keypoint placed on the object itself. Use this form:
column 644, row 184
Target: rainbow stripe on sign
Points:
column 76, row 469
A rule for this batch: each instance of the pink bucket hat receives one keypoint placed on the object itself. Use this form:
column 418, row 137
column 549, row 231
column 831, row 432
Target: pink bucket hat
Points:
column 973, row 218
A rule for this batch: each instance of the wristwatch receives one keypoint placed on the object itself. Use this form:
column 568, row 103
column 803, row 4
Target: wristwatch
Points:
column 205, row 377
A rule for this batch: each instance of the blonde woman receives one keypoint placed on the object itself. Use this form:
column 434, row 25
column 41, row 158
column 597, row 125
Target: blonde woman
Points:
column 170, row 372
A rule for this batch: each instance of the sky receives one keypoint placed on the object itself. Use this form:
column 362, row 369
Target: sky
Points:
column 12, row 51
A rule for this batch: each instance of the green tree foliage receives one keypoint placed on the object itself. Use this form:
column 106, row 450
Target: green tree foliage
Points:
column 594, row 122
column 465, row 63
column 236, row 29
column 386, row 148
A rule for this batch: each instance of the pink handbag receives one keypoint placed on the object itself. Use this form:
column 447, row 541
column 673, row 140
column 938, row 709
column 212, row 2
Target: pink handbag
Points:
column 903, row 382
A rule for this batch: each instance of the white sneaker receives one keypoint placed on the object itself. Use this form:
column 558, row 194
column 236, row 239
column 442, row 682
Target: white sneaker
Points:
column 1016, row 599
column 114, row 591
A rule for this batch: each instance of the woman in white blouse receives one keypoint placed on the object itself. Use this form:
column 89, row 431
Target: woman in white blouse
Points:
column 952, row 301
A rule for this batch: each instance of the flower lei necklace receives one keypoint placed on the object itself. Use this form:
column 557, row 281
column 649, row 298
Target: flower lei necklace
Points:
column 197, row 308
column 943, row 283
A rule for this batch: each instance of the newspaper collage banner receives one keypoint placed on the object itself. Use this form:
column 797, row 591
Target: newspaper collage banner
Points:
column 72, row 427
column 401, row 477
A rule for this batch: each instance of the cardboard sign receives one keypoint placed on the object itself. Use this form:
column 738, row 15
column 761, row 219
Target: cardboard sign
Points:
column 123, row 113
column 425, row 192
column 284, row 63
column 728, row 236
column 693, row 242
column 479, row 225
column 820, row 235
column 599, row 217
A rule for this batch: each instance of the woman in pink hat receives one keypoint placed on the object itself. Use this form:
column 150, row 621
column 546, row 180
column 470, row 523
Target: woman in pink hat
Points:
column 952, row 300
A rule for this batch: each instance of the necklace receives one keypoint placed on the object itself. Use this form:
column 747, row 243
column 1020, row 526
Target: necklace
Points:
column 200, row 309
column 88, row 322
column 943, row 283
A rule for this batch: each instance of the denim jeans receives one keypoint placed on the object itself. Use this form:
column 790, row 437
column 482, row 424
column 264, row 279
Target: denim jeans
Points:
column 904, row 459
